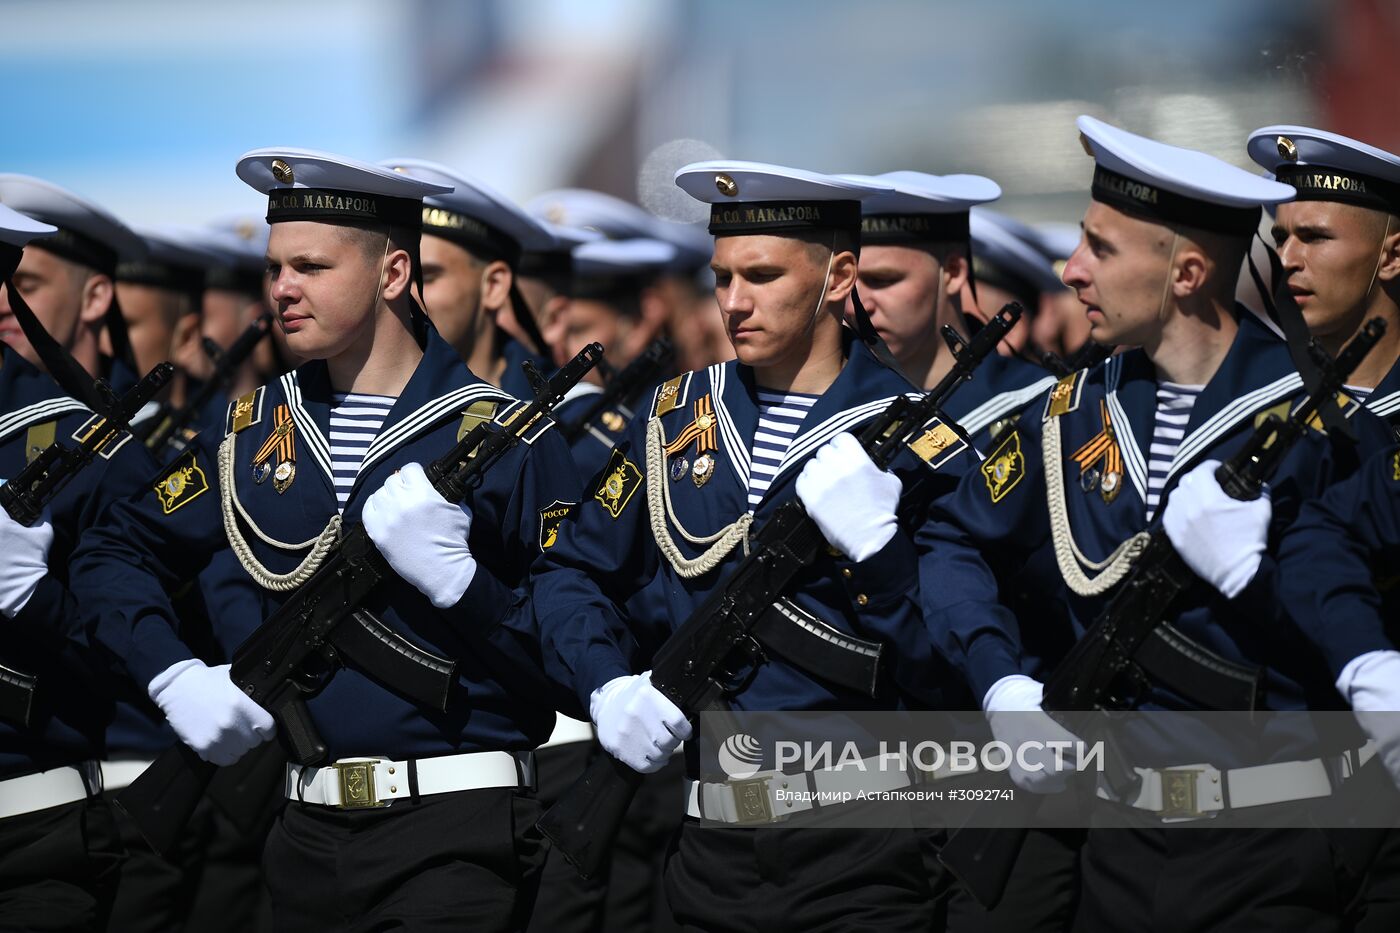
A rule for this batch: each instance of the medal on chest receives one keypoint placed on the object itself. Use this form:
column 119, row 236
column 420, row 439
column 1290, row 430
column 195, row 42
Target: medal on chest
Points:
column 703, row 433
column 1101, row 460
column 277, row 456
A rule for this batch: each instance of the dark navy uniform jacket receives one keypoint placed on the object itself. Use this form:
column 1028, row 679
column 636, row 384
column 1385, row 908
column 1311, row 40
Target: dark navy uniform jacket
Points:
column 513, row 380
column 1384, row 401
column 1339, row 564
column 1002, row 508
column 995, row 395
column 171, row 531
column 73, row 701
column 608, row 556
column 593, row 447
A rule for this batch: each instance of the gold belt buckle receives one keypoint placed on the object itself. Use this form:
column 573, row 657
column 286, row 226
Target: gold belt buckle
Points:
column 751, row 801
column 357, row 785
column 1179, row 794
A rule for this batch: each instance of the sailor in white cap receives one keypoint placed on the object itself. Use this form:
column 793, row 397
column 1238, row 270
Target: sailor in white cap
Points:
column 60, row 855
column 1339, row 244
column 70, row 279
column 1006, row 266
column 435, row 822
column 473, row 241
column 730, row 444
column 1086, row 472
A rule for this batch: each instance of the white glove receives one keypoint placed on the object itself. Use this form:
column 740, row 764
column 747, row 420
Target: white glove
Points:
column 851, row 500
column 1013, row 710
column 422, row 535
column 1220, row 538
column 1371, row 684
column 636, row 724
column 209, row 713
column 25, row 561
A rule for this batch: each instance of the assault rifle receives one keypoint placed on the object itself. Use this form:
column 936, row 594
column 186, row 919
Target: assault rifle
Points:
column 644, row 371
column 226, row 364
column 721, row 638
column 324, row 625
column 1132, row 646
column 25, row 497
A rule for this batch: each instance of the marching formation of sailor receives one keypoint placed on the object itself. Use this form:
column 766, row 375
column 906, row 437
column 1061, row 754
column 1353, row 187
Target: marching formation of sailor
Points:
column 367, row 564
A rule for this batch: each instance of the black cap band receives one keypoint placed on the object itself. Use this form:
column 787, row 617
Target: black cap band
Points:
column 780, row 217
column 914, row 228
column 471, row 234
column 996, row 276
column 188, row 280
column 1164, row 206
column 1322, row 183
column 328, row 205
column 80, row 248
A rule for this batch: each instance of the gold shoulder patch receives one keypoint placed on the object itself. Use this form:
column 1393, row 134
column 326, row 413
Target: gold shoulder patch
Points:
column 1064, row 397
column 477, row 413
column 552, row 517
column 938, row 444
column 38, row 439
column 1282, row 410
column 245, row 411
column 181, row 484
column 620, row 481
column 1395, row 467
column 671, row 395
column 1005, row 467
column 111, row 445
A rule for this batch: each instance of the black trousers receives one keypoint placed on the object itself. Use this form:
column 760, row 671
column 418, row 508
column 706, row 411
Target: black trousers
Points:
column 566, row 903
column 636, row 898
column 154, row 892
column 801, row 879
column 1185, row 880
column 462, row 861
column 229, row 896
column 58, row 868
column 1041, row 892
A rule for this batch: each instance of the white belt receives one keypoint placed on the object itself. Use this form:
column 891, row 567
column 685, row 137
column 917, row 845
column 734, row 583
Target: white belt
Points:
column 356, row 783
column 567, row 731
column 49, row 789
column 119, row 774
column 1200, row 792
column 773, row 796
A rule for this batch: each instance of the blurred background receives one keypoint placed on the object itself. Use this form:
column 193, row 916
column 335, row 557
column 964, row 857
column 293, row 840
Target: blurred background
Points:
column 145, row 105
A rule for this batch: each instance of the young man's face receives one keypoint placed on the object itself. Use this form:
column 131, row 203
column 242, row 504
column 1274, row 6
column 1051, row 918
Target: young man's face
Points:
column 900, row 287
column 53, row 289
column 585, row 320
column 324, row 286
column 451, row 289
column 1119, row 271
column 1329, row 252
column 767, row 288
column 151, row 314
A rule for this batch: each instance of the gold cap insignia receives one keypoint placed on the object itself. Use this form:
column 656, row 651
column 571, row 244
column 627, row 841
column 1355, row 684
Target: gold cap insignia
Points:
column 282, row 171
column 726, row 185
column 1287, row 150
column 555, row 214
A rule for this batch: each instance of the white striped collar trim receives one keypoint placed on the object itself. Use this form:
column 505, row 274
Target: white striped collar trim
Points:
column 425, row 417
column 1199, row 440
column 48, row 408
column 311, row 434
column 1385, row 405
column 580, row 389
column 998, row 405
column 1133, row 460
column 738, row 451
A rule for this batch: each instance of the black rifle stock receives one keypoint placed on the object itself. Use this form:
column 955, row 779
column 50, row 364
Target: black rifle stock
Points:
column 702, row 657
column 637, row 375
column 1112, row 666
column 324, row 625
column 226, row 364
column 25, row 497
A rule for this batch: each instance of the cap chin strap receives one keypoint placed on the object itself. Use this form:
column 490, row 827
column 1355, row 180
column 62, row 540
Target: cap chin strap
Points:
column 525, row 319
column 1375, row 273
column 65, row 370
column 1167, row 284
column 826, row 284
column 1282, row 308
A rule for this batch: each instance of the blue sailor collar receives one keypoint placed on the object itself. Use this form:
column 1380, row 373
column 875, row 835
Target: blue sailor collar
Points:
column 440, row 388
column 29, row 395
column 1001, row 386
column 863, row 389
column 1385, row 400
column 1256, row 372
